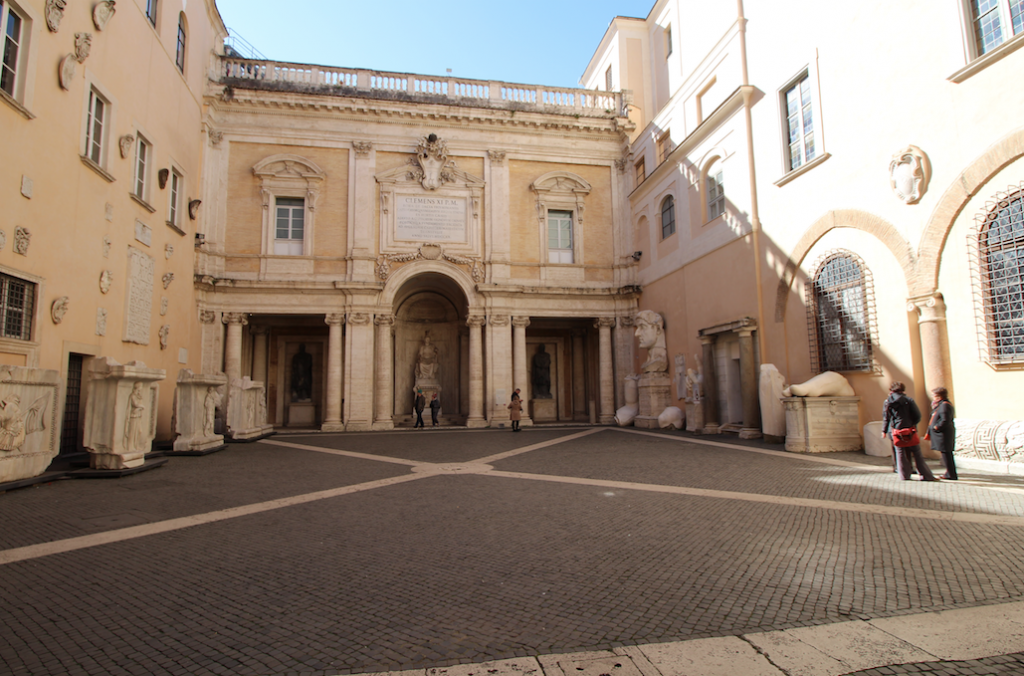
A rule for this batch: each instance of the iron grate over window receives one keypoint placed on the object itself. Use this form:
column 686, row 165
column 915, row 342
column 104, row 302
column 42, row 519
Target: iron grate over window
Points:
column 997, row 259
column 841, row 314
column 17, row 298
column 72, row 405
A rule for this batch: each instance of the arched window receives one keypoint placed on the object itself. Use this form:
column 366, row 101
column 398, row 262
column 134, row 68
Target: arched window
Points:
column 668, row 217
column 179, row 57
column 841, row 325
column 1001, row 256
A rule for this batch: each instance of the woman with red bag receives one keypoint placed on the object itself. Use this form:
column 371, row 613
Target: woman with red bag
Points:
column 900, row 416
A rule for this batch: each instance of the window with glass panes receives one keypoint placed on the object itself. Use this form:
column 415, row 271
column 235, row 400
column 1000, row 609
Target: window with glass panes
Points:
column 1001, row 246
column 16, row 302
column 94, row 131
column 716, row 194
column 11, row 24
column 179, row 58
column 142, row 152
column 172, row 213
column 800, row 123
column 994, row 22
column 841, row 314
column 668, row 217
column 290, row 226
column 560, row 237
column 151, row 11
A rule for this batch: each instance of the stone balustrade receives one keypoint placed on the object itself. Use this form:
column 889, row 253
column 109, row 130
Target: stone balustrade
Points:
column 258, row 74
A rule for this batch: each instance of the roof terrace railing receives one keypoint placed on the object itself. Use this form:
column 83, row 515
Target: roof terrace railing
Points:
column 327, row 80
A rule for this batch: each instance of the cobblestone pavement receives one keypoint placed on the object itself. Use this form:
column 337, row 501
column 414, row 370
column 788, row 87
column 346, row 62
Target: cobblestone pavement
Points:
column 321, row 554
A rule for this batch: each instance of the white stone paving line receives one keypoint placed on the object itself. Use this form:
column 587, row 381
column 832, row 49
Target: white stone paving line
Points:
column 422, row 470
column 823, row 650
column 1004, row 488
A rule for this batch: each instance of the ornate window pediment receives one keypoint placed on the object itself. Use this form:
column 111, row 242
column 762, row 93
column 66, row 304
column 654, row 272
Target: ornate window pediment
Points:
column 296, row 182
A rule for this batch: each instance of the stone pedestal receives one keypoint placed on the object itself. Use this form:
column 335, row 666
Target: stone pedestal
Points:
column 120, row 412
column 874, row 444
column 822, row 424
column 28, row 421
column 301, row 414
column 654, row 390
column 543, row 410
column 695, row 417
column 247, row 411
column 196, row 399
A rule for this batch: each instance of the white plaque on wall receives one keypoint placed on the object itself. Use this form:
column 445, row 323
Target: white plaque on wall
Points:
column 139, row 297
column 422, row 218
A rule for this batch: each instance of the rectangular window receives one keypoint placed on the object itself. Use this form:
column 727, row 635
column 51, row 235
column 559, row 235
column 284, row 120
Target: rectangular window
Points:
column 17, row 298
column 994, row 21
column 608, row 79
column 12, row 39
column 179, row 56
column 560, row 237
column 291, row 214
column 151, row 11
column 716, row 196
column 174, row 198
column 142, row 152
column 800, row 123
column 668, row 41
column 641, row 171
column 96, row 121
column 664, row 146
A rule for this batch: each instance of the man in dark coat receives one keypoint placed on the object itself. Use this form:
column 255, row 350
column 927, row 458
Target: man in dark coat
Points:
column 901, row 412
column 418, row 405
column 942, row 431
column 435, row 406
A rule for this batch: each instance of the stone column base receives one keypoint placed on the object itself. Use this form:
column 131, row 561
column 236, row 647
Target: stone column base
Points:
column 116, row 461
column 477, row 423
column 333, row 427
column 383, row 425
column 750, row 433
column 712, row 428
column 646, row 422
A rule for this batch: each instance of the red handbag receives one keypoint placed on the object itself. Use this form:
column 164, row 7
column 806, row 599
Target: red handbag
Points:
column 905, row 437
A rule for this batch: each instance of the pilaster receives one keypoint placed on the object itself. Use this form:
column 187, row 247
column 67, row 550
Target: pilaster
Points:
column 606, row 415
column 384, row 399
column 499, row 379
column 358, row 381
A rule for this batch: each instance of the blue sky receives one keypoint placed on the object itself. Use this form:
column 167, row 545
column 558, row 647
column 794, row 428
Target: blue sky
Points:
column 529, row 41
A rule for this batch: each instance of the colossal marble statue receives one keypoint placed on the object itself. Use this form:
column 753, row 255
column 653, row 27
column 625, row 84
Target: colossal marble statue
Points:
column 541, row 374
column 302, row 375
column 426, row 359
column 650, row 329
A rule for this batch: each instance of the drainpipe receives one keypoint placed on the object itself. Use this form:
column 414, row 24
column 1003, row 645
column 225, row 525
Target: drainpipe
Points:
column 755, row 221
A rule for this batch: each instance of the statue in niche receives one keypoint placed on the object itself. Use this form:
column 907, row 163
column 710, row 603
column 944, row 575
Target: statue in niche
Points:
column 541, row 374
column 302, row 375
column 134, row 434
column 426, row 359
column 650, row 329
column 16, row 424
column 210, row 404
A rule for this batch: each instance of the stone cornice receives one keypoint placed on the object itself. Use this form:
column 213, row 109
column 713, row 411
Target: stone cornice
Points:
column 407, row 112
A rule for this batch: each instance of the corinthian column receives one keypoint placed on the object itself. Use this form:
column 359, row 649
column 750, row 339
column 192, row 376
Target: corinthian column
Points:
column 520, row 372
column 710, row 399
column 931, row 322
column 384, row 402
column 607, row 374
column 332, row 418
column 233, row 344
column 476, row 373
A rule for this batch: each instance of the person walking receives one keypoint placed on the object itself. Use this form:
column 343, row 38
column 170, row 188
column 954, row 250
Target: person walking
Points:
column 435, row 407
column 515, row 407
column 942, row 430
column 418, row 405
column 900, row 416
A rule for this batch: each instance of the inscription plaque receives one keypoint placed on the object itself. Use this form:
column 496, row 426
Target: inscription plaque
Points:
column 430, row 219
column 139, row 297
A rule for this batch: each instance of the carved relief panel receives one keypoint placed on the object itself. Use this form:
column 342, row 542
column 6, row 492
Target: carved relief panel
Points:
column 139, row 297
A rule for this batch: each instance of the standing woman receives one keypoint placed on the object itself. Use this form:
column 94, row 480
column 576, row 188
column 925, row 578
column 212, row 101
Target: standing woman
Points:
column 901, row 414
column 942, row 431
column 515, row 408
